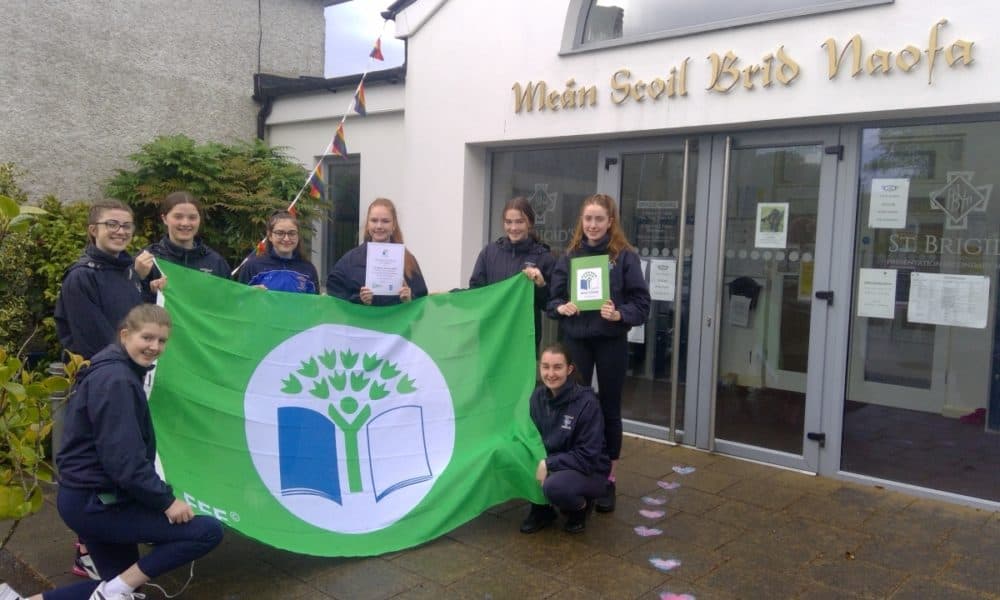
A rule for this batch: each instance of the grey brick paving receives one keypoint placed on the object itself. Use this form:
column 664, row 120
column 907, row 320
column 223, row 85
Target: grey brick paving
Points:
column 740, row 530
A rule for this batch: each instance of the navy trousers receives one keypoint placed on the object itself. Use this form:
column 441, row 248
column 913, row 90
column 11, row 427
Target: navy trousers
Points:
column 610, row 356
column 567, row 490
column 112, row 533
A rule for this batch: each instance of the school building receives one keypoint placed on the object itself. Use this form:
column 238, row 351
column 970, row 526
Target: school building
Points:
column 808, row 182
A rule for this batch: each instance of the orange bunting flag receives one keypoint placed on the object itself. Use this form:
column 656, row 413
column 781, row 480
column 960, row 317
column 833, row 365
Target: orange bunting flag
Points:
column 261, row 248
column 359, row 100
column 376, row 52
column 293, row 212
column 338, row 147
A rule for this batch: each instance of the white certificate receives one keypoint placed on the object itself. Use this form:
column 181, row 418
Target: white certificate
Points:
column 877, row 293
column 955, row 300
column 384, row 270
column 772, row 225
column 662, row 279
column 889, row 198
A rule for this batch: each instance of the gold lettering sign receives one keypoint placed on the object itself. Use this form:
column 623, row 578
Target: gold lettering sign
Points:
column 727, row 72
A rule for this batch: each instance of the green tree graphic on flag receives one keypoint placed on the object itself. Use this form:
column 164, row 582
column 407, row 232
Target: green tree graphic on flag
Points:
column 374, row 380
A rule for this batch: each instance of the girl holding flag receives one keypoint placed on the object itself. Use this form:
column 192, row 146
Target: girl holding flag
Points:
column 109, row 491
column 518, row 251
column 347, row 279
column 280, row 265
column 598, row 339
column 182, row 214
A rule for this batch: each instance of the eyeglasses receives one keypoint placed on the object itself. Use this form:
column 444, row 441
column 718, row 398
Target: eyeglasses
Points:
column 114, row 226
column 285, row 234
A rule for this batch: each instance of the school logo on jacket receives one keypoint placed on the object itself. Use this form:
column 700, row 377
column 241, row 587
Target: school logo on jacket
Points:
column 348, row 428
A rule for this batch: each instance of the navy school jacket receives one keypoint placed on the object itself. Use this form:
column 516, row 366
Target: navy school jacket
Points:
column 97, row 292
column 572, row 428
column 348, row 276
column 259, row 265
column 627, row 286
column 108, row 443
column 201, row 257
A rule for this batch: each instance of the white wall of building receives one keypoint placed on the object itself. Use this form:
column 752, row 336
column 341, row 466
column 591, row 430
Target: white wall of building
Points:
column 463, row 62
column 306, row 124
column 465, row 58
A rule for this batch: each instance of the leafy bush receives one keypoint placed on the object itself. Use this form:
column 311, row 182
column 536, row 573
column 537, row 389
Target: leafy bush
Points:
column 25, row 426
column 240, row 186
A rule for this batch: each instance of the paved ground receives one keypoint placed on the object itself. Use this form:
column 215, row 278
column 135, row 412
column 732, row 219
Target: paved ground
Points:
column 739, row 530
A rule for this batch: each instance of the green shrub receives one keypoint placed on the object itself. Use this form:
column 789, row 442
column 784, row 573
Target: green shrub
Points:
column 240, row 186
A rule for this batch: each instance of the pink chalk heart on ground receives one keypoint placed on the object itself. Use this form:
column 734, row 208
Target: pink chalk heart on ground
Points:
column 652, row 501
column 644, row 531
column 652, row 514
column 673, row 596
column 664, row 564
column 684, row 470
column 668, row 485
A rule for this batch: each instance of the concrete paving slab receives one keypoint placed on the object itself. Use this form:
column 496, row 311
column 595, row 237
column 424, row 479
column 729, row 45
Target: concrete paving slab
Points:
column 740, row 530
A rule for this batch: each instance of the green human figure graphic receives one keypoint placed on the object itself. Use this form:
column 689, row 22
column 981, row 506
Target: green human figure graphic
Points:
column 351, row 429
column 368, row 382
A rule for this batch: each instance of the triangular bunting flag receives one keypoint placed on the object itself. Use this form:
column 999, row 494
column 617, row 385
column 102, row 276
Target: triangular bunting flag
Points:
column 316, row 182
column 359, row 100
column 338, row 147
column 376, row 52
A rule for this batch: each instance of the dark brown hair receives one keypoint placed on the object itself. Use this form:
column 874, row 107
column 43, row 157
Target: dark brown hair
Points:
column 283, row 215
column 97, row 210
column 180, row 197
column 521, row 204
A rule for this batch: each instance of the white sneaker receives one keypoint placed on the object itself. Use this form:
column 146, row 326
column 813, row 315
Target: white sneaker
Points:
column 8, row 593
column 101, row 594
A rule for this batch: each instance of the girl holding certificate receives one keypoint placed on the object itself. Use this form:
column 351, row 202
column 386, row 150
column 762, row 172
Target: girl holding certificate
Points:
column 518, row 251
column 598, row 338
column 348, row 278
column 281, row 267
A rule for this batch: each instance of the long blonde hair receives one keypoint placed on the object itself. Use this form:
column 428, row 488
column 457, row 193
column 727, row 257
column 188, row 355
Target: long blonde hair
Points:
column 396, row 237
column 618, row 241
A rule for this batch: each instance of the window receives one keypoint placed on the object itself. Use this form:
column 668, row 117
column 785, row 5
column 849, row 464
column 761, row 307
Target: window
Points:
column 592, row 24
column 342, row 227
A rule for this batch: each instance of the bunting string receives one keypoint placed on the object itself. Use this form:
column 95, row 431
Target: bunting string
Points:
column 314, row 182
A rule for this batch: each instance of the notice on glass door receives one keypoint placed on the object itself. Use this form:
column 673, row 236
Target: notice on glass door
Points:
column 954, row 300
column 772, row 225
column 887, row 209
column 877, row 293
column 662, row 279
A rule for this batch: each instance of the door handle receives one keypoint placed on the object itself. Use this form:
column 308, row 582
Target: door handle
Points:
column 825, row 295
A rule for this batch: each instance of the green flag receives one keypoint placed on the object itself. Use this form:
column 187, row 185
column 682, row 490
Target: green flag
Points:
column 334, row 429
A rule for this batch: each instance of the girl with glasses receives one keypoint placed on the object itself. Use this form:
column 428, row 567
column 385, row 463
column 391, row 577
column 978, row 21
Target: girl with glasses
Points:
column 347, row 279
column 281, row 267
column 97, row 292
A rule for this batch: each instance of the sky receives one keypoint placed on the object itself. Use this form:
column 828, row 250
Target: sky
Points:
column 351, row 31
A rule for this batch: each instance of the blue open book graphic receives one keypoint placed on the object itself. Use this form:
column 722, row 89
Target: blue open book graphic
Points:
column 397, row 450
column 307, row 453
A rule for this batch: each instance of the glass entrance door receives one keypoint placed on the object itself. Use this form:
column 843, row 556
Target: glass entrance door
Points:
column 774, row 195
column 656, row 188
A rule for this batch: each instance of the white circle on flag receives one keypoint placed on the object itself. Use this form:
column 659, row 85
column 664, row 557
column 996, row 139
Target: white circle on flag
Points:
column 402, row 439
